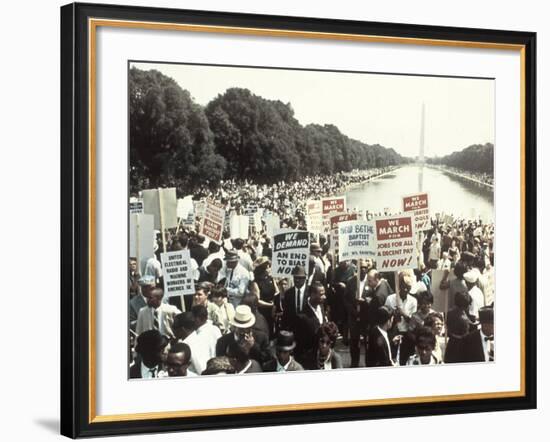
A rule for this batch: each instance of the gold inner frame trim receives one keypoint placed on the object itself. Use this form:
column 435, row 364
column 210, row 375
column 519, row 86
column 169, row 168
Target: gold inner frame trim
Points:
column 93, row 24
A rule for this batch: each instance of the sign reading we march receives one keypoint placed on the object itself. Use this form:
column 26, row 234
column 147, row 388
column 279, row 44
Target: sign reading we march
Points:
column 395, row 243
column 177, row 273
column 329, row 207
column 417, row 205
column 290, row 248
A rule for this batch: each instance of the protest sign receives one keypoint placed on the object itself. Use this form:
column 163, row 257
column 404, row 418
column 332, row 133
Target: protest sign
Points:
column 185, row 206
column 154, row 200
column 199, row 208
column 335, row 219
column 258, row 220
column 356, row 240
column 212, row 222
column 177, row 273
column 314, row 217
column 395, row 243
column 290, row 248
column 136, row 206
column 417, row 206
column 238, row 226
column 330, row 206
column 142, row 239
column 272, row 223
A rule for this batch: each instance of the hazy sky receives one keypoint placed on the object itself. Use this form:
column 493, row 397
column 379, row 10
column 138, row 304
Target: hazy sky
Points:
column 373, row 108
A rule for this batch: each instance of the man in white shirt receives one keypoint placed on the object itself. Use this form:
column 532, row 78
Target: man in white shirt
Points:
column 156, row 315
column 236, row 278
column 404, row 305
column 471, row 277
column 206, row 337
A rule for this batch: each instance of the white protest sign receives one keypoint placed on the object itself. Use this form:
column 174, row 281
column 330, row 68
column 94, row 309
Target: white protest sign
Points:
column 199, row 208
column 238, row 226
column 141, row 238
column 153, row 199
column 177, row 273
column 185, row 206
column 272, row 223
column 330, row 206
column 336, row 219
column 290, row 248
column 136, row 206
column 258, row 220
column 314, row 216
column 417, row 206
column 212, row 223
column 356, row 239
column 395, row 243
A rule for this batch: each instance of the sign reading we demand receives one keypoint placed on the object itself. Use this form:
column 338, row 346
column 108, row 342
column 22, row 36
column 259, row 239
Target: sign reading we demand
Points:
column 290, row 248
column 395, row 239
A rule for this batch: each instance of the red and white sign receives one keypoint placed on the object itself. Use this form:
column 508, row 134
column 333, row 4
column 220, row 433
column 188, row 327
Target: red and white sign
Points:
column 212, row 223
column 395, row 243
column 329, row 207
column 314, row 216
column 334, row 221
column 417, row 205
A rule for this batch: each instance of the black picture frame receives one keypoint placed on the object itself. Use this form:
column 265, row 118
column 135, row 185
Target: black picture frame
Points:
column 76, row 247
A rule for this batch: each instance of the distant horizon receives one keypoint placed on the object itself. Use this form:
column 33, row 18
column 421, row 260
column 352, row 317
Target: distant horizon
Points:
column 459, row 111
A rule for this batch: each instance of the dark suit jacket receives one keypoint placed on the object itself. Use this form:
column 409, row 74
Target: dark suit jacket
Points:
column 272, row 366
column 472, row 348
column 377, row 351
column 289, row 318
column 259, row 351
column 307, row 326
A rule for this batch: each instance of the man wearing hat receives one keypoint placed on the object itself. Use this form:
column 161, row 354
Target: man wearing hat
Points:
column 471, row 277
column 294, row 301
column 478, row 346
column 148, row 363
column 284, row 361
column 236, row 278
column 242, row 331
column 146, row 283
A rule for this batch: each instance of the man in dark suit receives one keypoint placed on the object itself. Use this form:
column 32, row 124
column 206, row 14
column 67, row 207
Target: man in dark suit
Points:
column 148, row 363
column 381, row 347
column 478, row 345
column 295, row 299
column 357, row 310
column 310, row 320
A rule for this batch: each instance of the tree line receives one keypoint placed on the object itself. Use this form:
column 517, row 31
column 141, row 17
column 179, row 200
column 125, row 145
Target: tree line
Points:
column 177, row 142
column 477, row 158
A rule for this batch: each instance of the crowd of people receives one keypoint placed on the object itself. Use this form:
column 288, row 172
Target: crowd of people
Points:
column 481, row 177
column 286, row 199
column 241, row 319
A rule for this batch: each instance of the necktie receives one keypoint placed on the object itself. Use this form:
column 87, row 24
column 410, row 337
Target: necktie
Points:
column 155, row 319
column 298, row 303
column 153, row 372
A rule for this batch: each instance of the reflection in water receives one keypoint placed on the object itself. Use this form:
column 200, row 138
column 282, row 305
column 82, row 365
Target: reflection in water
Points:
column 448, row 193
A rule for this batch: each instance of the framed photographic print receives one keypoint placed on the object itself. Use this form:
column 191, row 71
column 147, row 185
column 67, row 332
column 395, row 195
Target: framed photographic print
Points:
column 274, row 220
